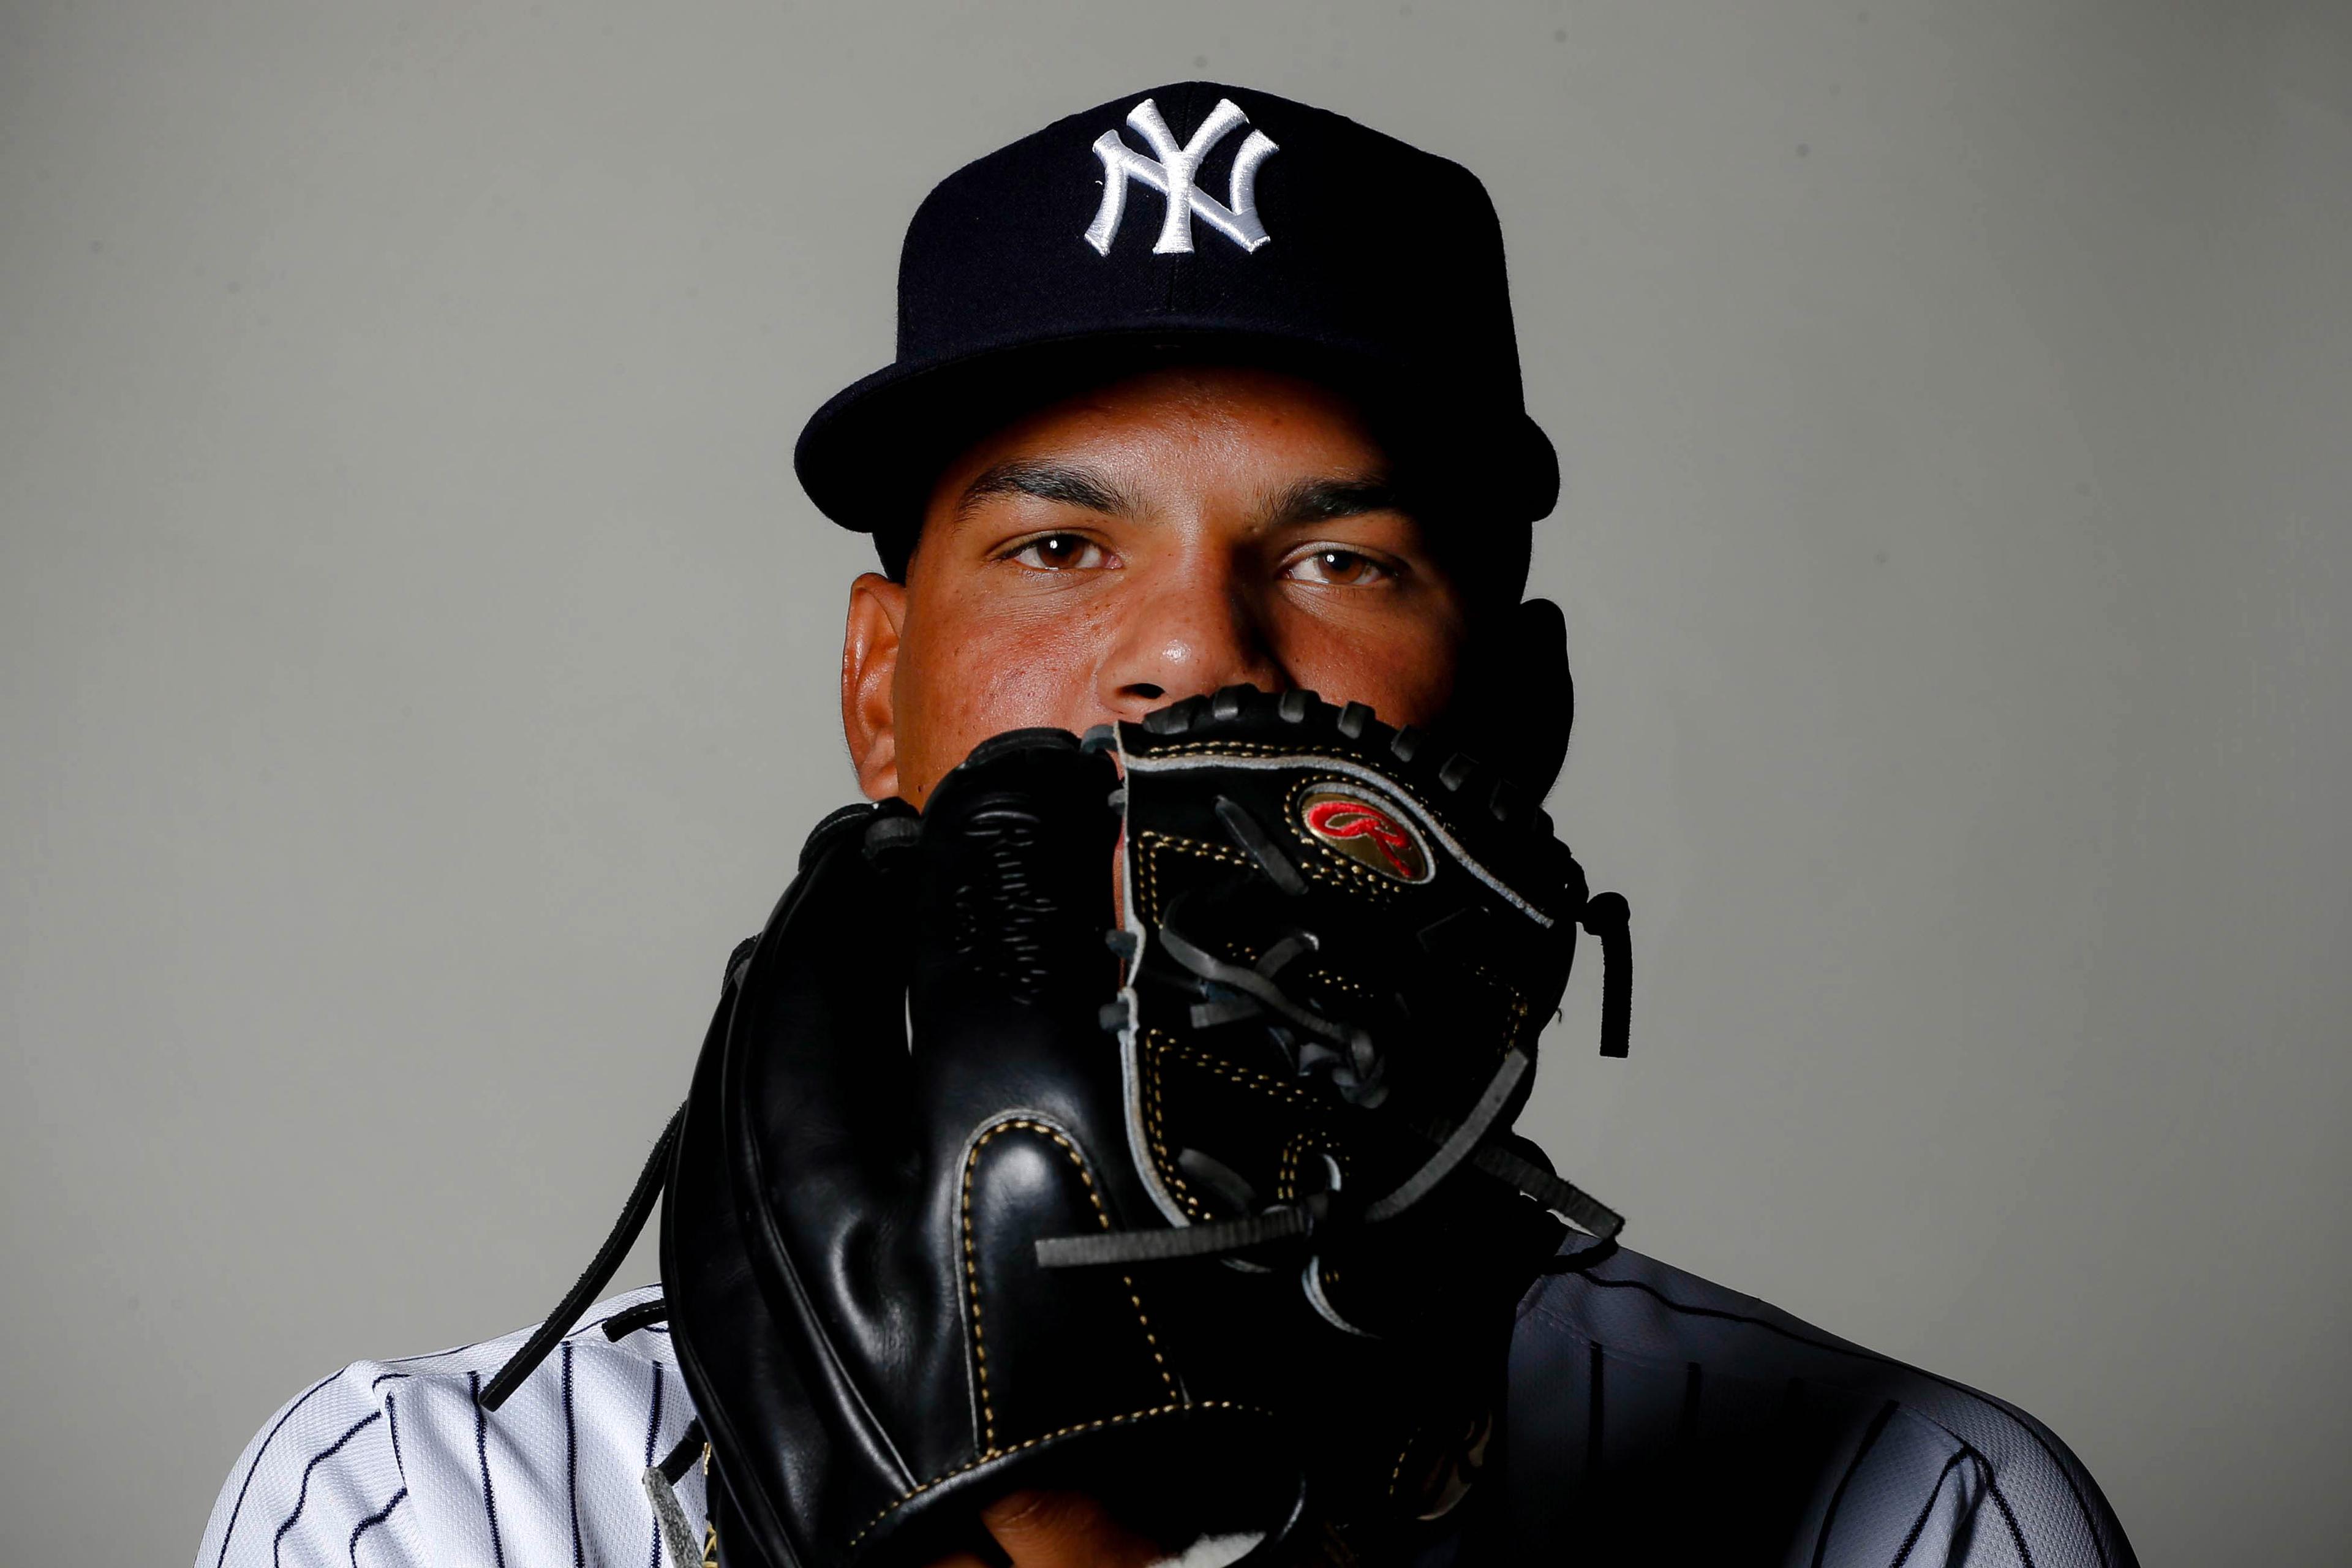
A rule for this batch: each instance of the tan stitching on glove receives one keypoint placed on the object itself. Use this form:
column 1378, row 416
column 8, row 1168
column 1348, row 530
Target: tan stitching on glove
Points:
column 1247, row 1077
column 994, row 1455
column 1298, row 1144
column 971, row 1265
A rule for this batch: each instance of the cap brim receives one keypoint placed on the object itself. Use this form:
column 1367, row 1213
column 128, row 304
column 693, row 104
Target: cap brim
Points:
column 871, row 455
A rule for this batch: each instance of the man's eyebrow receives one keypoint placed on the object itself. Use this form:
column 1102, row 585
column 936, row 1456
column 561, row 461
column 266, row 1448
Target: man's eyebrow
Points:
column 1328, row 500
column 1068, row 484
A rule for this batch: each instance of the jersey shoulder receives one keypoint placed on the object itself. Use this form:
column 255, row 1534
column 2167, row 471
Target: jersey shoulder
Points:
column 1646, row 1391
column 395, row 1462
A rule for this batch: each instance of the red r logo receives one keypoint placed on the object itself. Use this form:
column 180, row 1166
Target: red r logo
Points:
column 1364, row 833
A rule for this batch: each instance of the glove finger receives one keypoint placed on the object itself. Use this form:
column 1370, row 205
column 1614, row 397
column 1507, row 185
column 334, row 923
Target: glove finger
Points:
column 1017, row 898
column 795, row 1096
column 761, row 1404
column 1021, row 1082
column 816, row 1075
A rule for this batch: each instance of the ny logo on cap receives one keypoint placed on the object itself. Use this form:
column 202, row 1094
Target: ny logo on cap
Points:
column 1170, row 173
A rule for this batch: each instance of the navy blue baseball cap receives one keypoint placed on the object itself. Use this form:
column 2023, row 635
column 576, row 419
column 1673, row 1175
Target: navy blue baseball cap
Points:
column 1192, row 223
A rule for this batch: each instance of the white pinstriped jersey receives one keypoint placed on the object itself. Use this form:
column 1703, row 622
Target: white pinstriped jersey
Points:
column 394, row 1464
column 1652, row 1416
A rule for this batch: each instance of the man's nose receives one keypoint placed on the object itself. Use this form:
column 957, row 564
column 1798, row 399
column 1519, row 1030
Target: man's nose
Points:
column 1187, row 631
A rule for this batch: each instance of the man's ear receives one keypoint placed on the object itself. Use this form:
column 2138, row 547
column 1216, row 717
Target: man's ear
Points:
column 1517, row 700
column 1538, row 639
column 869, row 668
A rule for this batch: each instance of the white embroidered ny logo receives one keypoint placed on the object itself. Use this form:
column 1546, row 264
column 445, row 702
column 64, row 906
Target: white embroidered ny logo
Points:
column 1170, row 173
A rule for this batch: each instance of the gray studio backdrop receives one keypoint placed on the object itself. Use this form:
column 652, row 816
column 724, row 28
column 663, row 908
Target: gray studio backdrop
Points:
column 416, row 661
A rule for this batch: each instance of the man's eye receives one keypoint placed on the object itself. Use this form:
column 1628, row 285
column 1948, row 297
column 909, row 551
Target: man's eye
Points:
column 1060, row 552
column 1339, row 568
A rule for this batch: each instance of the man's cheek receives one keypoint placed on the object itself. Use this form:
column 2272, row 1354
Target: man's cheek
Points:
column 1019, row 690
column 1405, row 681
column 1041, row 668
column 980, row 688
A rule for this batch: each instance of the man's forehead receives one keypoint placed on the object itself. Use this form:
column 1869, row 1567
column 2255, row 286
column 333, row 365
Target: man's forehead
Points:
column 1084, row 447
column 1275, row 500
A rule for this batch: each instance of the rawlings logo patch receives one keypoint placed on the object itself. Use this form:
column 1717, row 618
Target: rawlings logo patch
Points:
column 1372, row 835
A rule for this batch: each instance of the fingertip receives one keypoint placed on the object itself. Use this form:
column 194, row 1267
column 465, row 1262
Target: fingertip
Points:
column 1065, row 1529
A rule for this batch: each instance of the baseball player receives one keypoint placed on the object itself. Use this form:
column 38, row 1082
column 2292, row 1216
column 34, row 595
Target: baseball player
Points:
column 1206, row 441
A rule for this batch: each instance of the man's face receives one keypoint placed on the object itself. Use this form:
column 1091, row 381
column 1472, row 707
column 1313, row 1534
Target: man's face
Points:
column 1146, row 540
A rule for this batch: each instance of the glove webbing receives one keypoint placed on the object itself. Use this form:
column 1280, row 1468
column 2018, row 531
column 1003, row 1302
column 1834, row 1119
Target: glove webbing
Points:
column 1607, row 917
column 1301, row 1219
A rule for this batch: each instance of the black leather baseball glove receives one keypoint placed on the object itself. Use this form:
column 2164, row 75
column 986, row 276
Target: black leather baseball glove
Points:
column 1193, row 1192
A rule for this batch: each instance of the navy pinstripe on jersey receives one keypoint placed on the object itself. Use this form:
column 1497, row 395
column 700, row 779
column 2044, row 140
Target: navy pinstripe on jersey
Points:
column 395, row 1465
